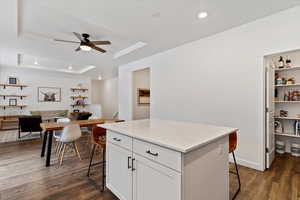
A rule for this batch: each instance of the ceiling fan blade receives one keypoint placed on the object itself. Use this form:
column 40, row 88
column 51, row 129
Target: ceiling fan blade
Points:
column 78, row 49
column 98, row 49
column 79, row 36
column 58, row 40
column 101, row 42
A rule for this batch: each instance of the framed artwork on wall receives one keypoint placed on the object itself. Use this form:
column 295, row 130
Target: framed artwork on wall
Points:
column 12, row 102
column 49, row 94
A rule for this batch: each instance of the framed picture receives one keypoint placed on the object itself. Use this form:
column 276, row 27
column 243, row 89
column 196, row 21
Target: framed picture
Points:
column 49, row 94
column 12, row 80
column 12, row 102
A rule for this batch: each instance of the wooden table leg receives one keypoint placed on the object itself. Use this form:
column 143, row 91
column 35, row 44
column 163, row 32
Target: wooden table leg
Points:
column 44, row 144
column 49, row 146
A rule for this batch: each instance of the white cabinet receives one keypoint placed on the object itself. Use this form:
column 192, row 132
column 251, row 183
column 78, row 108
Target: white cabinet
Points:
column 154, row 181
column 119, row 174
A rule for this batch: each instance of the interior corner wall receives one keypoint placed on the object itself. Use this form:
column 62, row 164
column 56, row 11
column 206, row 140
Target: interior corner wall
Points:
column 141, row 79
column 41, row 78
column 218, row 80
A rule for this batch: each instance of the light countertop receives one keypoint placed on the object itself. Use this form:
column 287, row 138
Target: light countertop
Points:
column 175, row 135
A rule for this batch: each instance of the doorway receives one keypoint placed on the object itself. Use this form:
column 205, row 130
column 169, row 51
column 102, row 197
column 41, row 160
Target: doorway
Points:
column 141, row 94
column 282, row 105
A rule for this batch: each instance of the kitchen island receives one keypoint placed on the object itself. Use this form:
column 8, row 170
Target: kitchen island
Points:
column 167, row 160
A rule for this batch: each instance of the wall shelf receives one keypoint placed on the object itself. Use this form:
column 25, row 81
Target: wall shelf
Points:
column 79, row 97
column 287, row 69
column 8, row 106
column 12, row 95
column 79, row 89
column 78, row 105
column 12, row 85
column 288, row 135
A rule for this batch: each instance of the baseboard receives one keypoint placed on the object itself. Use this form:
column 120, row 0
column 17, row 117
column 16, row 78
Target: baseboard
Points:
column 246, row 163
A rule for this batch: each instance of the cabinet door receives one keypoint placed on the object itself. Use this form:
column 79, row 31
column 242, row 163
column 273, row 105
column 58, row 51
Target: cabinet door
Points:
column 152, row 181
column 119, row 174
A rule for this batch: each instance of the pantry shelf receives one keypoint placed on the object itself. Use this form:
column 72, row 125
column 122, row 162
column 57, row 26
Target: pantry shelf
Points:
column 287, row 69
column 286, row 101
column 288, row 135
column 288, row 85
column 288, row 118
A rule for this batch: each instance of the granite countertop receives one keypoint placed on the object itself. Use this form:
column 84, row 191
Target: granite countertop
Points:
column 175, row 135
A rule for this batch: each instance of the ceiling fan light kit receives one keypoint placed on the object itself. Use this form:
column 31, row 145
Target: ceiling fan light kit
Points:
column 85, row 43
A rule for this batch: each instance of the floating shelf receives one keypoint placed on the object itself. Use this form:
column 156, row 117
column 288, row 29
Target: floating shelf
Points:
column 288, row 135
column 8, row 106
column 12, row 95
column 286, row 85
column 12, row 85
column 83, row 105
column 79, row 97
column 287, row 69
column 286, row 101
column 288, row 118
column 79, row 89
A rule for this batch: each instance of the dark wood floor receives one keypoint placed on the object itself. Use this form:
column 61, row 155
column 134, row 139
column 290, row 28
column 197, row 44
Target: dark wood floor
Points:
column 24, row 176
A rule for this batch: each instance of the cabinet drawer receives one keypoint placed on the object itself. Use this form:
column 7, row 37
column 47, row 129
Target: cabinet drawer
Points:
column 164, row 156
column 119, row 139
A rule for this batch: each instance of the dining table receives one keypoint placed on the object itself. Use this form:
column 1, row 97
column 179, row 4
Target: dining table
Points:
column 49, row 127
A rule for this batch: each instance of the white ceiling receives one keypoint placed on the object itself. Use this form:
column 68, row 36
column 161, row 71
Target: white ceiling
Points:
column 29, row 26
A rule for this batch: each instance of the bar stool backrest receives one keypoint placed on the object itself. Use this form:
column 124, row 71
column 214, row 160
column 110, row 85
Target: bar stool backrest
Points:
column 98, row 136
column 232, row 142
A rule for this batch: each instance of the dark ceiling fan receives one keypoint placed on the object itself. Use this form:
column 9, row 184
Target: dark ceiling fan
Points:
column 85, row 44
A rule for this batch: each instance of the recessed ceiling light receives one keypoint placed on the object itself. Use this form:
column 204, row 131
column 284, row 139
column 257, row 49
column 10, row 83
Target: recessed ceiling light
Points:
column 202, row 15
column 99, row 77
column 70, row 67
column 36, row 62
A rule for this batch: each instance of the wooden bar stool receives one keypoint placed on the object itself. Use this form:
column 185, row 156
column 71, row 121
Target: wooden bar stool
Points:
column 232, row 147
column 98, row 140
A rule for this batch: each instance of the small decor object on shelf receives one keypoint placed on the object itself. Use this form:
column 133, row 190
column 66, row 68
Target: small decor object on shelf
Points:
column 80, row 102
column 12, row 102
column 281, row 62
column 79, row 85
column 297, row 127
column 12, row 80
column 75, row 110
column 288, row 63
column 290, row 81
column 278, row 127
column 49, row 94
column 280, row 147
column 283, row 113
column 295, row 149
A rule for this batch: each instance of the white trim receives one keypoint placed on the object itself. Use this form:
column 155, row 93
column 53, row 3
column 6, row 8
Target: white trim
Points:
column 246, row 163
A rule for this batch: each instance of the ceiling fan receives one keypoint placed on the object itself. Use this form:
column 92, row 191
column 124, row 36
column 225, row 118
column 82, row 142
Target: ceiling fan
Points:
column 85, row 44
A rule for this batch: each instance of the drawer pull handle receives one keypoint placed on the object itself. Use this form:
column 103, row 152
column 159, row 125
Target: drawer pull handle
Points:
column 132, row 164
column 152, row 154
column 128, row 163
column 116, row 139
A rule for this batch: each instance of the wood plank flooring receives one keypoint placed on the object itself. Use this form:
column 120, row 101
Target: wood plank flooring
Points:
column 24, row 176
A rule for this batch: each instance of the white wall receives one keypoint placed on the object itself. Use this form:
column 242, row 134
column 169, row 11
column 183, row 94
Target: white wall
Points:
column 217, row 80
column 37, row 78
column 141, row 79
column 109, row 97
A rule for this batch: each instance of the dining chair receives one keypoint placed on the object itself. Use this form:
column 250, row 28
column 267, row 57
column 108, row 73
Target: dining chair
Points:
column 98, row 140
column 70, row 134
column 232, row 148
column 57, row 134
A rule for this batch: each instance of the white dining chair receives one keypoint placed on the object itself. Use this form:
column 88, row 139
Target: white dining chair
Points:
column 57, row 134
column 70, row 134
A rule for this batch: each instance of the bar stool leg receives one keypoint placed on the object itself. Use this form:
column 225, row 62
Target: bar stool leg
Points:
column 238, row 176
column 91, row 159
column 103, row 168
